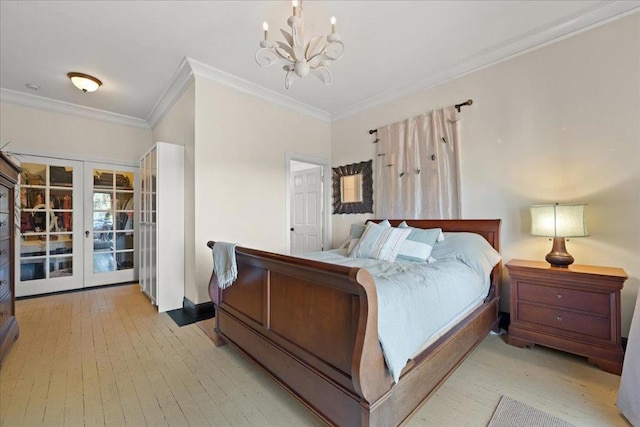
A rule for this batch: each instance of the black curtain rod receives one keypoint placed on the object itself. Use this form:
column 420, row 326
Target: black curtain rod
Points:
column 458, row 107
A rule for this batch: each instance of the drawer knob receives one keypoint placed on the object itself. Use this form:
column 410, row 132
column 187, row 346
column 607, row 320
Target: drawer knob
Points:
column 559, row 296
column 559, row 318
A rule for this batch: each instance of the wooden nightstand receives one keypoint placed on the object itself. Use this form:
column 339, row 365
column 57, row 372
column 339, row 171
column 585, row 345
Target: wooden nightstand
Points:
column 574, row 309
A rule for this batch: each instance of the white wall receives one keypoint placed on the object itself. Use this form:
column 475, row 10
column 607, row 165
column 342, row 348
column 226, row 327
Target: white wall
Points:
column 240, row 190
column 178, row 127
column 47, row 132
column 558, row 124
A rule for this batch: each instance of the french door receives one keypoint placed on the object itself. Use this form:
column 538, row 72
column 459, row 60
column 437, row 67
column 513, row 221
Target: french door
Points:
column 77, row 225
column 109, row 224
column 50, row 226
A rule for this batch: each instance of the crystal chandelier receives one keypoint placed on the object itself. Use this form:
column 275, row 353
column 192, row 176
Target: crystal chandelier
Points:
column 297, row 57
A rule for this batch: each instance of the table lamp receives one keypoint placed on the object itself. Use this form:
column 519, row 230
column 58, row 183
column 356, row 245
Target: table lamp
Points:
column 559, row 221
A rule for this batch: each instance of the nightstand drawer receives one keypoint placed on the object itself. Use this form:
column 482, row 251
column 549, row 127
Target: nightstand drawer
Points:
column 593, row 302
column 566, row 320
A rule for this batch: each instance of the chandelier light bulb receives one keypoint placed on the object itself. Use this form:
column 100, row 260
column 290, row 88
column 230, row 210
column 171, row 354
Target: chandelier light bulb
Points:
column 265, row 27
column 333, row 24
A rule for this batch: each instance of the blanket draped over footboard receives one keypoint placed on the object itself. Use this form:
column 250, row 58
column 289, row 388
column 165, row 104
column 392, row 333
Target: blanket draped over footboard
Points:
column 313, row 327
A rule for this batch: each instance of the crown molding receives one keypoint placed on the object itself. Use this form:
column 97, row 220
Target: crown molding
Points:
column 49, row 104
column 180, row 81
column 568, row 26
column 215, row 75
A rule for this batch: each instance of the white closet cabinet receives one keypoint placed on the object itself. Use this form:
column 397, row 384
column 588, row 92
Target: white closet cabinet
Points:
column 162, row 225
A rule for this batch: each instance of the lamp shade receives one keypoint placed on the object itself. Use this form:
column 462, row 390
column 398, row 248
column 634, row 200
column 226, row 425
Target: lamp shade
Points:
column 566, row 220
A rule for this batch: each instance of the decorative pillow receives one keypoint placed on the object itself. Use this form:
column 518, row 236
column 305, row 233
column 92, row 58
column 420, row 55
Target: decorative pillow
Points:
column 470, row 248
column 357, row 230
column 419, row 244
column 380, row 242
column 404, row 224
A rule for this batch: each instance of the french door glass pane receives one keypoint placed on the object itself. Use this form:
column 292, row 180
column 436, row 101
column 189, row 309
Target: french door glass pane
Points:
column 46, row 221
column 113, row 212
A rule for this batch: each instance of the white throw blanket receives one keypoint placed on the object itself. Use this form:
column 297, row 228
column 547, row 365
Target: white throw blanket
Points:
column 224, row 263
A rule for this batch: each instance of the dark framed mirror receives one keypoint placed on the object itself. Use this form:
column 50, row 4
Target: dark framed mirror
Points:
column 353, row 188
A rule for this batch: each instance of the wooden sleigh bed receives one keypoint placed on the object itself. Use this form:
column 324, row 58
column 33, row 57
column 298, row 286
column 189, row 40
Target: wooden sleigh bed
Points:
column 313, row 328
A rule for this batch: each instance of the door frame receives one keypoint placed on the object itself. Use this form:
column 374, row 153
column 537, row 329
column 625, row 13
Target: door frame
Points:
column 326, row 196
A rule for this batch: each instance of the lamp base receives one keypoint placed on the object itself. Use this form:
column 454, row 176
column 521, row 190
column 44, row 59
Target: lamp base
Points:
column 559, row 257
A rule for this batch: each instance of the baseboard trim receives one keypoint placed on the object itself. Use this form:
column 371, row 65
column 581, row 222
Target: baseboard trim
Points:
column 205, row 309
column 71, row 291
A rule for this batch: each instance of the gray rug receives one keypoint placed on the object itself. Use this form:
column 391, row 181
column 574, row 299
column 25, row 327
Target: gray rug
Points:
column 511, row 413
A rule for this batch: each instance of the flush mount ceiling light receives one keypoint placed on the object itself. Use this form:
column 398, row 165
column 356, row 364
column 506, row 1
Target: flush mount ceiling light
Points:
column 84, row 82
column 300, row 58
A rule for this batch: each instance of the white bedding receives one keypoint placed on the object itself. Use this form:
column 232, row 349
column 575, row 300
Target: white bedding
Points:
column 417, row 301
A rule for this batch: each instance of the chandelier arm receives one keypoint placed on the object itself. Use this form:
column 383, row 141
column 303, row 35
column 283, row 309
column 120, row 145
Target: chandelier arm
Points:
column 266, row 57
column 319, row 60
column 287, row 36
column 288, row 79
column 287, row 49
column 323, row 74
column 315, row 46
column 334, row 50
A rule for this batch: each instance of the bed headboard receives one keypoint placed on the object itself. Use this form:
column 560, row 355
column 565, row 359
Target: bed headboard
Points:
column 487, row 228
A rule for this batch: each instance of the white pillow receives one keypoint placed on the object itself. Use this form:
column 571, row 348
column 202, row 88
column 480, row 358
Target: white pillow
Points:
column 380, row 242
column 356, row 232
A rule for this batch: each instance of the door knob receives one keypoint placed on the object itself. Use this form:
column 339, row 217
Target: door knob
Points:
column 86, row 233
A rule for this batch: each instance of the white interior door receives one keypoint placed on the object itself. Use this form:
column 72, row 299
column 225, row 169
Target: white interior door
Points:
column 110, row 224
column 306, row 212
column 49, row 245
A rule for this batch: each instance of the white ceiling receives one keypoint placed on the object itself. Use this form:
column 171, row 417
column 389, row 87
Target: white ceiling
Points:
column 392, row 47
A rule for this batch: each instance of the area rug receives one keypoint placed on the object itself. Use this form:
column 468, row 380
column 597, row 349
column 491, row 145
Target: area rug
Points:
column 511, row 413
column 183, row 317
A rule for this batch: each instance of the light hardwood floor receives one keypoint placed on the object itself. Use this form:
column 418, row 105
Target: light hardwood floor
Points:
column 106, row 357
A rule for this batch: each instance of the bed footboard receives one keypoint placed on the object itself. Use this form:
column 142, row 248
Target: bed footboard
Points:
column 311, row 326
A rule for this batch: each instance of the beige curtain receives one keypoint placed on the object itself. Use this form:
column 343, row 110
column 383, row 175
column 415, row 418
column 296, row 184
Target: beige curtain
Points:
column 417, row 172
